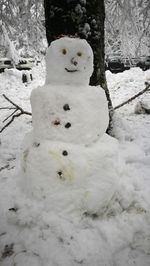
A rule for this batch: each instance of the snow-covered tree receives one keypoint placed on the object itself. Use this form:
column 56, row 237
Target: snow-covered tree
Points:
column 127, row 27
column 24, row 24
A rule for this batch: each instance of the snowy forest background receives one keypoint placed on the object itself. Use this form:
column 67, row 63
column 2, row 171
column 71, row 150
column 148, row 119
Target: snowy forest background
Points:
column 22, row 27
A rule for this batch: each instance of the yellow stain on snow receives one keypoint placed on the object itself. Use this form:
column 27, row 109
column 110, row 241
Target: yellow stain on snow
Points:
column 25, row 155
column 55, row 155
column 87, row 194
column 65, row 164
column 68, row 172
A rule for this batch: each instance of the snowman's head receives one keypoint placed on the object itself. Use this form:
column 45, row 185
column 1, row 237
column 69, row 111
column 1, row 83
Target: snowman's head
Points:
column 69, row 61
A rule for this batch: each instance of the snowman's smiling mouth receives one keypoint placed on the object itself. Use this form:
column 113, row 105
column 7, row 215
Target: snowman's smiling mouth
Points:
column 71, row 70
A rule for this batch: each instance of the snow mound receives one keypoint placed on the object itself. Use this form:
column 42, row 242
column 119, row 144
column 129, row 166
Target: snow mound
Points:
column 71, row 177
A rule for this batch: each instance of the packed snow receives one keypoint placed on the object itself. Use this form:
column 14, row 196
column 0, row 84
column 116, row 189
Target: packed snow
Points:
column 30, row 234
column 66, row 159
column 69, row 113
column 66, row 108
column 69, row 61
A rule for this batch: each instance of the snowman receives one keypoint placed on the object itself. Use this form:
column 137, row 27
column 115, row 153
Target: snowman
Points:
column 68, row 109
column 68, row 161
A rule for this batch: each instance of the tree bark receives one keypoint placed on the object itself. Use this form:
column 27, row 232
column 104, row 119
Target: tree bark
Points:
column 83, row 18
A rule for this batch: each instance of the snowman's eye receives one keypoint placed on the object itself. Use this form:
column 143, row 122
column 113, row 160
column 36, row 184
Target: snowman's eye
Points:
column 79, row 54
column 64, row 51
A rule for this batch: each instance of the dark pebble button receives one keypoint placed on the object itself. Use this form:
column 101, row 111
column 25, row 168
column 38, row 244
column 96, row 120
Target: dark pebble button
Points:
column 36, row 144
column 14, row 209
column 66, row 107
column 65, row 153
column 68, row 125
column 60, row 173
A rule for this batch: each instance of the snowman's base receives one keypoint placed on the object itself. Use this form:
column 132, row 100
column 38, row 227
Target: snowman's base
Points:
column 71, row 177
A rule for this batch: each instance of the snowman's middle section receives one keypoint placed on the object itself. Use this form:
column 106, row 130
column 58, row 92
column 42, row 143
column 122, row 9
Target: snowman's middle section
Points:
column 74, row 114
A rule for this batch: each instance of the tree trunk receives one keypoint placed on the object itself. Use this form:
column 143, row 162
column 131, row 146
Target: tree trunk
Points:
column 83, row 18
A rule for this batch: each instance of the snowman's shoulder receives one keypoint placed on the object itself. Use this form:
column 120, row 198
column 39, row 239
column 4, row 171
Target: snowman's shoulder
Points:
column 98, row 89
column 97, row 92
column 39, row 92
column 106, row 146
column 35, row 92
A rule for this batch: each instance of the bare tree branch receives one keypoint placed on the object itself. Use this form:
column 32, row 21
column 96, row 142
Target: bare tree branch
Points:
column 4, row 167
column 9, row 116
column 17, row 108
column 134, row 97
column 7, row 108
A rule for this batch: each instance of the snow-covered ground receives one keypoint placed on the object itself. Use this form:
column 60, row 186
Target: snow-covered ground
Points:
column 29, row 235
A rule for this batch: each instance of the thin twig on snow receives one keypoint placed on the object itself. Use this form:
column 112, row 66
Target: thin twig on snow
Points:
column 133, row 97
column 16, row 108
